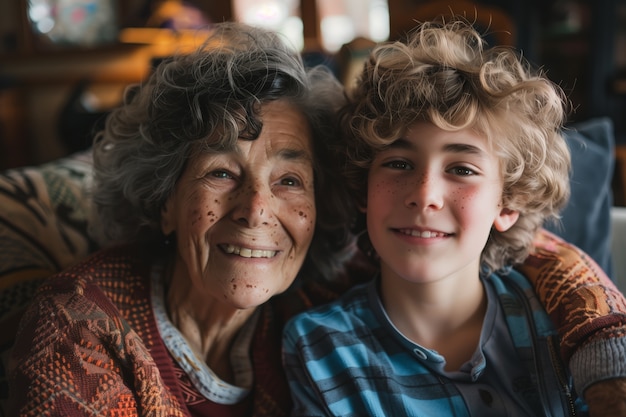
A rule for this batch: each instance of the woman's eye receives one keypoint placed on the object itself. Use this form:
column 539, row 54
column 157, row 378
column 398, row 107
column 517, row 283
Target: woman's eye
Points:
column 398, row 165
column 462, row 171
column 290, row 182
column 220, row 174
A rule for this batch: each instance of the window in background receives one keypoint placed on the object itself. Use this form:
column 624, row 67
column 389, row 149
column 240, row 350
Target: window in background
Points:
column 341, row 21
column 73, row 22
column 279, row 15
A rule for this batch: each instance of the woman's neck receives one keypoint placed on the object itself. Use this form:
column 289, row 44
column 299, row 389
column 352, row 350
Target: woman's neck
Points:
column 209, row 326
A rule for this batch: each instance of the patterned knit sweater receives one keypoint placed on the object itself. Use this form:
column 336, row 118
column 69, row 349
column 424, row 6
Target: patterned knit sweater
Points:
column 89, row 345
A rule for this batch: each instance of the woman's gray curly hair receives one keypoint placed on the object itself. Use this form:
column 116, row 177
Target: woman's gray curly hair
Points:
column 208, row 100
column 444, row 74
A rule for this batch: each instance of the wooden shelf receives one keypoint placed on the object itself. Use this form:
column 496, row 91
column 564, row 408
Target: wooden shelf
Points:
column 127, row 61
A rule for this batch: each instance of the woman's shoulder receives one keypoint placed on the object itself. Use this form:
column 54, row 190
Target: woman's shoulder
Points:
column 109, row 264
column 110, row 279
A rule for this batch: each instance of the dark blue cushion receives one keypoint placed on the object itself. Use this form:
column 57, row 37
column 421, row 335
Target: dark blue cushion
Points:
column 586, row 220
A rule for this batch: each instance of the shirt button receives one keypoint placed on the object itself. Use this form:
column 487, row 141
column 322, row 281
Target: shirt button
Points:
column 420, row 354
column 486, row 397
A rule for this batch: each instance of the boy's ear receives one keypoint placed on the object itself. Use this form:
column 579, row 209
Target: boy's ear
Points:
column 505, row 220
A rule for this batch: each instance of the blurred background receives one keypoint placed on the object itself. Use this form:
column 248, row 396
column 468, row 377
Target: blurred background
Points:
column 65, row 63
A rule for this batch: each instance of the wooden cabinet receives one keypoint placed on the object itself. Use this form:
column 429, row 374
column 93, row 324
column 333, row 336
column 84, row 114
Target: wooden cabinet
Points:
column 37, row 78
column 580, row 50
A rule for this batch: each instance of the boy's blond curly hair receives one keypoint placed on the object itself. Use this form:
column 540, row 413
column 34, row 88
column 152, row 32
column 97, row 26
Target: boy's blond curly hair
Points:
column 444, row 73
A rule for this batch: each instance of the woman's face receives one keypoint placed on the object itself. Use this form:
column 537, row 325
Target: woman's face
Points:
column 244, row 219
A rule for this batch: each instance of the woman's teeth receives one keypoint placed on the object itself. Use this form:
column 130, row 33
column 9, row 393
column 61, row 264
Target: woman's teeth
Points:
column 249, row 253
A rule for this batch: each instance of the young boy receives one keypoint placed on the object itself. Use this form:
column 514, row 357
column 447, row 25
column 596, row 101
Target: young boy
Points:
column 456, row 157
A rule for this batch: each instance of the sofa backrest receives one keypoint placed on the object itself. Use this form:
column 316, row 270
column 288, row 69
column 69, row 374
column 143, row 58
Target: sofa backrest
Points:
column 43, row 229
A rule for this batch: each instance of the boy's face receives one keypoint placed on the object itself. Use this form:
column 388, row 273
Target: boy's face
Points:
column 433, row 197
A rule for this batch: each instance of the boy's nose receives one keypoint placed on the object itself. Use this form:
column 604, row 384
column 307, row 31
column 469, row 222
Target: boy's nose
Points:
column 426, row 192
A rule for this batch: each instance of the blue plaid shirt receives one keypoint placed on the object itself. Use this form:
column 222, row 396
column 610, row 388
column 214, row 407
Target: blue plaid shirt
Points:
column 347, row 359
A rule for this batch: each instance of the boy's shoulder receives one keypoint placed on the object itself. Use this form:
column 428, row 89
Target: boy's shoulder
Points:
column 350, row 310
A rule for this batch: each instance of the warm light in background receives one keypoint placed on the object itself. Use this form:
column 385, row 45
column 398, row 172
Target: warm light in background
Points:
column 340, row 20
column 279, row 15
column 344, row 20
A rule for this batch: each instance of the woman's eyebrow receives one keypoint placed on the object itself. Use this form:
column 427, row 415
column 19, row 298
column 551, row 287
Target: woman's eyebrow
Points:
column 293, row 154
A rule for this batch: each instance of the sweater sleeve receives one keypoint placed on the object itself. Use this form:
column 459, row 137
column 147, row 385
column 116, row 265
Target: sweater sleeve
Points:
column 74, row 356
column 585, row 306
column 581, row 300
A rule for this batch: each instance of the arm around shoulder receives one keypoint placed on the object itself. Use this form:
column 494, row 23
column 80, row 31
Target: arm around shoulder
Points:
column 590, row 315
column 582, row 301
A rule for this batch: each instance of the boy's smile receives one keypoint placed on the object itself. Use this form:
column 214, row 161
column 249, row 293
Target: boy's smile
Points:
column 433, row 197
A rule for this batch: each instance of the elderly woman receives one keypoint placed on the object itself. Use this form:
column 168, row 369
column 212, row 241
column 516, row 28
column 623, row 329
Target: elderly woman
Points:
column 211, row 169
column 216, row 191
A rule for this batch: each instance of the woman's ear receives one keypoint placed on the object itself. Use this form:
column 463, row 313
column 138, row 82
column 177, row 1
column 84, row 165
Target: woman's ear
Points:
column 505, row 219
column 361, row 204
column 167, row 218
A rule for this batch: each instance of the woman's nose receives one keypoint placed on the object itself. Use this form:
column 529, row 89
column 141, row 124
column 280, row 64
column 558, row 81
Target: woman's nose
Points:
column 253, row 205
column 425, row 192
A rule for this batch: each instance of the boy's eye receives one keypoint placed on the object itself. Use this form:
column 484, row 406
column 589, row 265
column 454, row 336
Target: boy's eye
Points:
column 398, row 164
column 462, row 171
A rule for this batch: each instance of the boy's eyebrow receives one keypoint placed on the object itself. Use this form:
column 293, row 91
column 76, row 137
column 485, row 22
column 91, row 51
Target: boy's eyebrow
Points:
column 402, row 143
column 463, row 148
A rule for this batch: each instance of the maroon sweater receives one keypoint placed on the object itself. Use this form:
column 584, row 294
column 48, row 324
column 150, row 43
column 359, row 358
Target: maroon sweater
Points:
column 89, row 345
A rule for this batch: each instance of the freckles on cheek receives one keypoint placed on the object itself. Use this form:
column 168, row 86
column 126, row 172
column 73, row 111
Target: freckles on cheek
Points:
column 211, row 215
column 305, row 217
column 462, row 198
column 458, row 199
column 384, row 187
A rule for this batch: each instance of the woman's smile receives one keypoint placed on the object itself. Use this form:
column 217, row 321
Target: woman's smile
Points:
column 248, row 252
column 259, row 202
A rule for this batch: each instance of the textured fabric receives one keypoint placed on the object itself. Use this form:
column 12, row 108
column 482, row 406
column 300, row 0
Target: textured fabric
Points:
column 43, row 229
column 89, row 345
column 598, row 359
column 586, row 306
column 347, row 359
column 43, row 221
